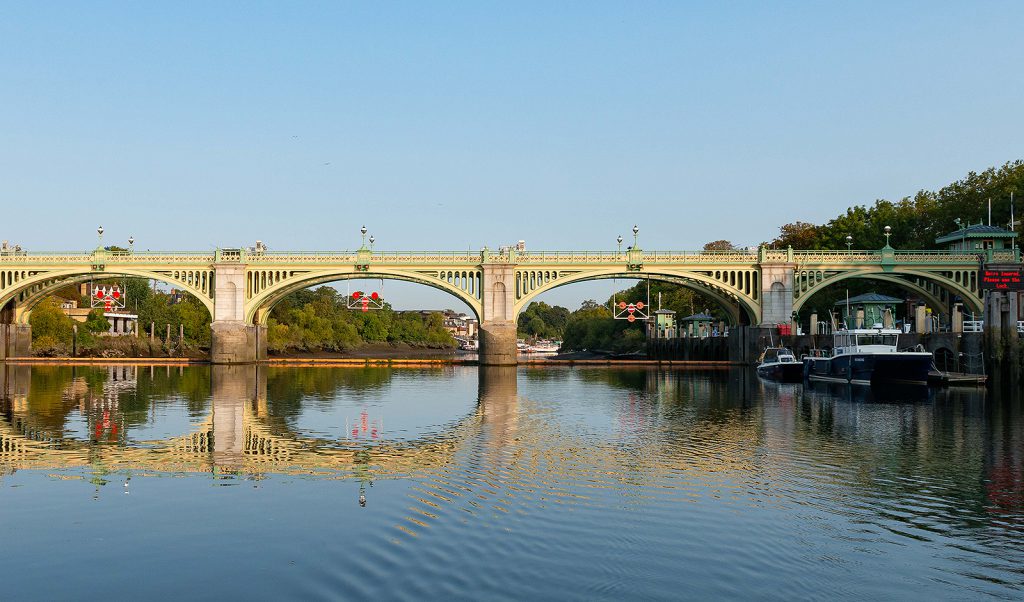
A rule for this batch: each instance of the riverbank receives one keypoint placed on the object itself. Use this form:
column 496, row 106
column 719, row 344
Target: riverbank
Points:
column 378, row 354
column 360, row 361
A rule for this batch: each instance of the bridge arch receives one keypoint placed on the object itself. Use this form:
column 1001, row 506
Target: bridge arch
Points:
column 969, row 297
column 463, row 284
column 735, row 303
column 30, row 291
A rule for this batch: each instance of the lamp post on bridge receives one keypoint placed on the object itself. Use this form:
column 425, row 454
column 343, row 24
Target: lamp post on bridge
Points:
column 849, row 243
column 99, row 233
column 888, row 233
column 371, row 242
column 636, row 231
column 363, row 232
column 131, row 245
column 619, row 240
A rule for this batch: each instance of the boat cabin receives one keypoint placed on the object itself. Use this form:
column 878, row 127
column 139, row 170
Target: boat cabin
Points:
column 865, row 340
column 777, row 355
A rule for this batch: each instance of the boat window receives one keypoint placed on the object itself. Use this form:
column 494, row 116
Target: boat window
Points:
column 877, row 339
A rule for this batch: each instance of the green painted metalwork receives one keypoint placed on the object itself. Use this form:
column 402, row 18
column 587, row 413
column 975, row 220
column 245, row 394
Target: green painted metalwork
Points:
column 733, row 276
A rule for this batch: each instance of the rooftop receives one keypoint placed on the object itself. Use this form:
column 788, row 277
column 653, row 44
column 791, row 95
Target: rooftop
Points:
column 976, row 231
column 869, row 298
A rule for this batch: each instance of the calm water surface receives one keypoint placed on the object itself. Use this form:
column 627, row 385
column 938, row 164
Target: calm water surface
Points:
column 466, row 483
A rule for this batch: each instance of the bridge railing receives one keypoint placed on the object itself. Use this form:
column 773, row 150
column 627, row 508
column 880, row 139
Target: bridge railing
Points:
column 744, row 256
column 660, row 257
column 314, row 257
column 899, row 256
column 120, row 257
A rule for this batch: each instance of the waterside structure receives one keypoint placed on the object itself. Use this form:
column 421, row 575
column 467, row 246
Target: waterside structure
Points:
column 756, row 289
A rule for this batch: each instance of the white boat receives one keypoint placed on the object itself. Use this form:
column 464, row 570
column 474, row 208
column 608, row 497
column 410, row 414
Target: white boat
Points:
column 545, row 347
column 779, row 363
column 868, row 356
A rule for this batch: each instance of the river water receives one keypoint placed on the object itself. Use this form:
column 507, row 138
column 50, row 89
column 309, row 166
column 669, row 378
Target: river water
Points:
column 465, row 483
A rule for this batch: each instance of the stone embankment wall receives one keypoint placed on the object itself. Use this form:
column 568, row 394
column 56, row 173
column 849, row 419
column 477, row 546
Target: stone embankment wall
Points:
column 745, row 344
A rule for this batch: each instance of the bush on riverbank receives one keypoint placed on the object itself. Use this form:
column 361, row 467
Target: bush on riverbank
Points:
column 319, row 320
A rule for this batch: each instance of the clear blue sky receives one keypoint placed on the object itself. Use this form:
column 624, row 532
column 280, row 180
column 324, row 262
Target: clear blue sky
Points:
column 453, row 126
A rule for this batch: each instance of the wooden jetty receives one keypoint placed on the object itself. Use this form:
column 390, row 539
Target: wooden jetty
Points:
column 955, row 379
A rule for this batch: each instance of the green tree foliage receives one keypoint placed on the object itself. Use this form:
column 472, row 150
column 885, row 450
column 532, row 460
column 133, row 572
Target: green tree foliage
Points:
column 543, row 321
column 160, row 309
column 319, row 320
column 51, row 328
column 593, row 326
column 719, row 245
column 915, row 221
column 95, row 322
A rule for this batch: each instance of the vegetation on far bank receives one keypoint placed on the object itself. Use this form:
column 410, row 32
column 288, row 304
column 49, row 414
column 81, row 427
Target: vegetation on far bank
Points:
column 319, row 320
column 918, row 220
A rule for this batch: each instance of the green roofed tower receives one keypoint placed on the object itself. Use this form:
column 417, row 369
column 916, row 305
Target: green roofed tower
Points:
column 978, row 237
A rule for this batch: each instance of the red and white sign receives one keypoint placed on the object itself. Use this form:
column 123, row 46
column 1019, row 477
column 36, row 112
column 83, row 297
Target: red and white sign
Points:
column 364, row 302
column 107, row 296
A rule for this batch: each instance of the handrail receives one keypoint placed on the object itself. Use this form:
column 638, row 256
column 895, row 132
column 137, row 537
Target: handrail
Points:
column 632, row 257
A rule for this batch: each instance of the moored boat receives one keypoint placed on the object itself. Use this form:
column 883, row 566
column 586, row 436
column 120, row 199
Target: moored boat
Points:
column 545, row 347
column 868, row 356
column 779, row 364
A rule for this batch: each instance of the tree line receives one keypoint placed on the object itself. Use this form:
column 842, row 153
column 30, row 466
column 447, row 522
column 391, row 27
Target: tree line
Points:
column 593, row 326
column 308, row 320
column 54, row 333
column 918, row 220
column 319, row 320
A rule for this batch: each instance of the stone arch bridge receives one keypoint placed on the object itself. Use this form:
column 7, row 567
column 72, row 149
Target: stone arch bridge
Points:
column 756, row 287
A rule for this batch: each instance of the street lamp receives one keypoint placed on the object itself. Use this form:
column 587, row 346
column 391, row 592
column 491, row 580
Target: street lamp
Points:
column 963, row 233
column 99, row 232
column 363, row 232
column 636, row 231
column 619, row 240
column 888, row 233
column 849, row 243
column 371, row 241
column 131, row 244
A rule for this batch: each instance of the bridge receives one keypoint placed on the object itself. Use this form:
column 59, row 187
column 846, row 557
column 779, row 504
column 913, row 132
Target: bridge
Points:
column 239, row 287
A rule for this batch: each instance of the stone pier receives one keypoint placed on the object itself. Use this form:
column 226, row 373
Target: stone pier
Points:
column 777, row 292
column 232, row 340
column 15, row 340
column 498, row 323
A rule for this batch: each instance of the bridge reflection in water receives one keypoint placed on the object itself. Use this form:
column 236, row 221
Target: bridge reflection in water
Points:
column 235, row 431
column 674, row 474
column 723, row 432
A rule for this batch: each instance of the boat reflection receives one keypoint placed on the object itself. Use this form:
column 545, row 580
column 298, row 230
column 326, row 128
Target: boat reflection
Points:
column 888, row 393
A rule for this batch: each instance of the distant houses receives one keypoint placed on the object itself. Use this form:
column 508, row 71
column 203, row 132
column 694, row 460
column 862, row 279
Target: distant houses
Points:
column 460, row 325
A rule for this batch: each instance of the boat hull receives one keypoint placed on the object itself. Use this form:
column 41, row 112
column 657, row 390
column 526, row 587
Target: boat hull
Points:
column 783, row 372
column 871, row 368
